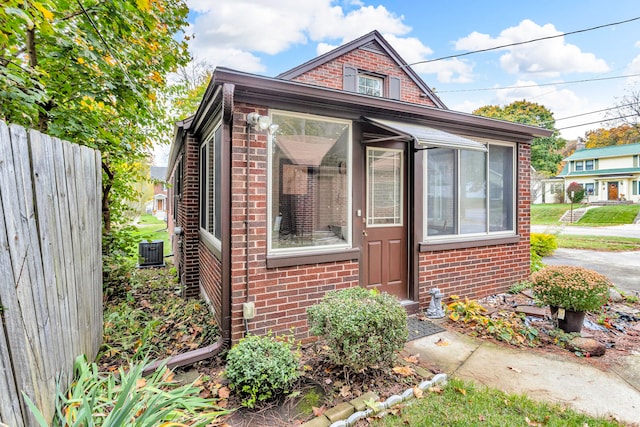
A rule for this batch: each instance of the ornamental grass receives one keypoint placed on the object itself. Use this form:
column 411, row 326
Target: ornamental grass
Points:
column 570, row 287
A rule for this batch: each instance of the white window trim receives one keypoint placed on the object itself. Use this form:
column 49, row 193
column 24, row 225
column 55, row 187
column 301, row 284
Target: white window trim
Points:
column 474, row 236
column 204, row 233
column 307, row 250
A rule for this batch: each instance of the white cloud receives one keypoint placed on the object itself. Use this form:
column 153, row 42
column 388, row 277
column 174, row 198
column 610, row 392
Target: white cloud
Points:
column 546, row 58
column 634, row 68
column 230, row 32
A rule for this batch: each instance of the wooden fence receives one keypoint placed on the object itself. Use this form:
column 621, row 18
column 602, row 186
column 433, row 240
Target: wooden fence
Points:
column 50, row 267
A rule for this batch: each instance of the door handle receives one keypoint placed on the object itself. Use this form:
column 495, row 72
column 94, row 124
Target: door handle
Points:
column 364, row 233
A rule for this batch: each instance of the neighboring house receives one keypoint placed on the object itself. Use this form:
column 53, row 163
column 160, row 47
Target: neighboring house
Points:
column 345, row 171
column 158, row 178
column 606, row 173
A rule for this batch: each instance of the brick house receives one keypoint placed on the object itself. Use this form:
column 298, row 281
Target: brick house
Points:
column 159, row 202
column 345, row 171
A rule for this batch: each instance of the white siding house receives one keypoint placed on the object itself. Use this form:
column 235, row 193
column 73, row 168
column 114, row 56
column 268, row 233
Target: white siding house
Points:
column 606, row 173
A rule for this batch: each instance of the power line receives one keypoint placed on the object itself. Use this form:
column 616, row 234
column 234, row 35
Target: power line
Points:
column 584, row 30
column 599, row 121
column 538, row 85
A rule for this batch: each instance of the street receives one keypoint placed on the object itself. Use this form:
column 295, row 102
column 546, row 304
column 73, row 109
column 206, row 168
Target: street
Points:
column 622, row 268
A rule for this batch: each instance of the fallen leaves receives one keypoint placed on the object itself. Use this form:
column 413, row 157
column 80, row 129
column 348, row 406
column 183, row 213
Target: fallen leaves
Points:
column 516, row 370
column 442, row 342
column 417, row 392
column 405, row 371
column 318, row 411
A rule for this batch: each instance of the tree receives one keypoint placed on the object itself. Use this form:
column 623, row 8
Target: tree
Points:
column 90, row 71
column 545, row 157
column 623, row 134
column 575, row 192
column 185, row 94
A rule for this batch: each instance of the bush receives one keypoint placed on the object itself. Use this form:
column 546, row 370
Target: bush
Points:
column 261, row 367
column 578, row 192
column 362, row 327
column 570, row 287
column 543, row 244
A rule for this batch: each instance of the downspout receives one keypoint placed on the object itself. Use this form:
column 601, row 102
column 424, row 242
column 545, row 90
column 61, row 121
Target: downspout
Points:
column 216, row 348
column 246, row 225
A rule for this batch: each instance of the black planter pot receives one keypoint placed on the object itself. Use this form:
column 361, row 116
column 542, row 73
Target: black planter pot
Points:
column 572, row 322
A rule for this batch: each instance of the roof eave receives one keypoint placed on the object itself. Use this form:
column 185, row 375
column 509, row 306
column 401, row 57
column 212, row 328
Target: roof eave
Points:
column 259, row 88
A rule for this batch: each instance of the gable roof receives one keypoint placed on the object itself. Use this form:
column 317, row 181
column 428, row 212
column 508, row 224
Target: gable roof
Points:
column 610, row 151
column 372, row 41
column 158, row 173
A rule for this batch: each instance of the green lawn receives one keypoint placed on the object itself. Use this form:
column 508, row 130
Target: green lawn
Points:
column 549, row 214
column 151, row 228
column 610, row 215
column 464, row 404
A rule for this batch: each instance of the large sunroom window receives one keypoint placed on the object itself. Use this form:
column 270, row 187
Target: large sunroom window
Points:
column 470, row 192
column 309, row 183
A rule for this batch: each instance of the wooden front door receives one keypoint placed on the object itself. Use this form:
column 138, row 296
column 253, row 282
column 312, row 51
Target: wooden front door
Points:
column 613, row 191
column 385, row 220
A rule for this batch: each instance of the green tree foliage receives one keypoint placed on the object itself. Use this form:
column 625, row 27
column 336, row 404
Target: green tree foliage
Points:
column 619, row 135
column 90, row 72
column 545, row 157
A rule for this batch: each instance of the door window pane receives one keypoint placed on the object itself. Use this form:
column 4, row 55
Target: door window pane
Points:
column 384, row 187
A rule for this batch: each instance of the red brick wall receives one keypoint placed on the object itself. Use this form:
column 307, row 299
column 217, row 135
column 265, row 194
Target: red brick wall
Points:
column 330, row 74
column 281, row 295
column 211, row 279
column 485, row 270
column 185, row 247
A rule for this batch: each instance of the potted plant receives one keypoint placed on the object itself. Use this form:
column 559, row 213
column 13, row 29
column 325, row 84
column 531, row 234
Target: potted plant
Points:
column 570, row 291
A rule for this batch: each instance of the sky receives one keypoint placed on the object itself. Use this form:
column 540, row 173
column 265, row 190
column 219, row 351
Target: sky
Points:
column 267, row 37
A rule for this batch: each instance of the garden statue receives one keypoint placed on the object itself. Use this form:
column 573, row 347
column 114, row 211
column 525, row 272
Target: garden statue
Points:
column 435, row 310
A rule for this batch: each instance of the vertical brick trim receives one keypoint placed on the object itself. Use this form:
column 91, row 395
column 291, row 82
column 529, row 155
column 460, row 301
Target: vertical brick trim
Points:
column 188, row 219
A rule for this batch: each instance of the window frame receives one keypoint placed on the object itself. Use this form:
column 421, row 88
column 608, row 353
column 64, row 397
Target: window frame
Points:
column 488, row 234
column 579, row 166
column 589, row 165
column 303, row 251
column 210, row 198
column 373, row 77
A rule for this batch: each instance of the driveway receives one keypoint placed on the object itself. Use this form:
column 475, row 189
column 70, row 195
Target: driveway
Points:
column 622, row 268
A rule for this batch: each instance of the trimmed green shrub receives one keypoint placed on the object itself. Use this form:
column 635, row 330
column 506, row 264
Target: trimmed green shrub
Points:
column 363, row 328
column 543, row 244
column 261, row 368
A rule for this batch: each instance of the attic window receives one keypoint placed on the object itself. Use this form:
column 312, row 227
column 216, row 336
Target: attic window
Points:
column 370, row 85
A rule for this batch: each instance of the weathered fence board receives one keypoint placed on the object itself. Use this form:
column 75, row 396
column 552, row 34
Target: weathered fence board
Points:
column 50, row 256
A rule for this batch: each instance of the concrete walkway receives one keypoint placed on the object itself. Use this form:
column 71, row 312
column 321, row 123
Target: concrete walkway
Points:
column 539, row 376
